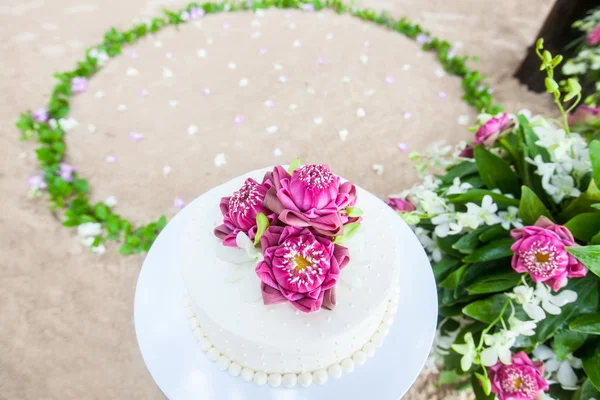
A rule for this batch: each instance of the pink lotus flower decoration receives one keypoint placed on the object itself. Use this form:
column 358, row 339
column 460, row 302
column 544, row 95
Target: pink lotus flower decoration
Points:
column 400, row 205
column 594, row 37
column 521, row 380
column 240, row 210
column 491, row 130
column 540, row 251
column 311, row 197
column 300, row 267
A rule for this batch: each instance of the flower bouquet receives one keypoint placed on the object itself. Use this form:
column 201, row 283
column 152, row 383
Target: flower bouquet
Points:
column 291, row 227
column 512, row 227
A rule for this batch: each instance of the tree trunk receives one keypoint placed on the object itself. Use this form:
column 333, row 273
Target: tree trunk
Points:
column 557, row 33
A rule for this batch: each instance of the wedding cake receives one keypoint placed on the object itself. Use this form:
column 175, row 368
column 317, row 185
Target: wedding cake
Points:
column 291, row 275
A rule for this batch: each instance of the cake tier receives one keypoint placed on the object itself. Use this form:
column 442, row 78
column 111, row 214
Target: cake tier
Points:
column 279, row 338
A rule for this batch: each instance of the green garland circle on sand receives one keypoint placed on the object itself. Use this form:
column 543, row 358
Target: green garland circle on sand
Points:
column 72, row 195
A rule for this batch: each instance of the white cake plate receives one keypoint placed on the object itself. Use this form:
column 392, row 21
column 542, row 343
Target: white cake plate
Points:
column 183, row 372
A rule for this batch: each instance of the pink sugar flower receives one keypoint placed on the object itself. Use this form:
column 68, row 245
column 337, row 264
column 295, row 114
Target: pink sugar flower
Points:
column 37, row 182
column 240, row 210
column 41, row 114
column 540, row 251
column 311, row 197
column 491, row 130
column 400, row 205
column 300, row 267
column 66, row 171
column 520, row 380
column 594, row 36
column 196, row 12
column 79, row 85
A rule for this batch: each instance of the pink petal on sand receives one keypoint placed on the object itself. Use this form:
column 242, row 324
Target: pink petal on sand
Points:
column 169, row 55
column 390, row 79
column 179, row 202
column 263, row 52
column 111, row 159
column 269, row 103
column 320, row 61
column 133, row 54
column 442, row 95
column 206, row 91
column 402, row 147
column 135, row 136
column 238, row 120
column 407, row 115
column 143, row 92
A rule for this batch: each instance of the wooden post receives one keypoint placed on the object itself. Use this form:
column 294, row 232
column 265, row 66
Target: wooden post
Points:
column 557, row 34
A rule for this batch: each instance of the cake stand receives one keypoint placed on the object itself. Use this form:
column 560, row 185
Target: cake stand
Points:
column 183, row 372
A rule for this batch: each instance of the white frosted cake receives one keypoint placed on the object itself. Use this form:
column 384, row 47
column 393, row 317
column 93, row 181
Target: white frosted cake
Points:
column 291, row 279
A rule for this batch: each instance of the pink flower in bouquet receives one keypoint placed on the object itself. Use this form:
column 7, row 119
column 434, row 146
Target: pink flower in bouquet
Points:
column 240, row 210
column 300, row 267
column 540, row 251
column 489, row 132
column 521, row 380
column 594, row 36
column 311, row 196
column 400, row 205
column 79, row 84
column 585, row 115
column 467, row 152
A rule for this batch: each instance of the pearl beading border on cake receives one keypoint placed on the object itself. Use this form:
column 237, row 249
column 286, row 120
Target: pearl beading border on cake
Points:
column 304, row 379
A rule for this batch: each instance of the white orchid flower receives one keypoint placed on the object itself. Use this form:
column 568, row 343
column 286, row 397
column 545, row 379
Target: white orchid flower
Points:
column 539, row 301
column 510, row 218
column 242, row 261
column 486, row 213
column 499, row 344
column 559, row 371
column 458, row 187
column 553, row 303
column 468, row 351
column 518, row 327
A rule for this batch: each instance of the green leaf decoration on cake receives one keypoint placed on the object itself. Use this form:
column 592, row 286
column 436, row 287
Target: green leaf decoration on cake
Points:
column 294, row 165
column 262, row 223
column 353, row 212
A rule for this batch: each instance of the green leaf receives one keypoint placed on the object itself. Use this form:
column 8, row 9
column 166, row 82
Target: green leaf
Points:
column 591, row 366
column 262, row 223
column 126, row 249
column 161, row 223
column 495, row 283
column 101, row 212
column 588, row 323
column 470, row 241
column 587, row 391
column 495, row 232
column 460, row 170
column 486, row 310
column 477, row 195
column 486, row 385
column 551, row 85
column 566, row 342
column 594, row 149
column 350, row 230
column 584, row 226
column 531, row 207
column 588, row 255
column 294, row 165
column 443, row 268
column 491, row 251
column 584, row 203
column 449, row 378
column 453, row 280
column 478, row 388
column 353, row 212
column 496, row 172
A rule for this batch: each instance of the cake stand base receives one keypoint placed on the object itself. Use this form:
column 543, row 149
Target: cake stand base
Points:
column 183, row 372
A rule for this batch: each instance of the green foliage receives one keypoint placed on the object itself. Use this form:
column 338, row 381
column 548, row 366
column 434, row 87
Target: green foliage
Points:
column 587, row 323
column 496, row 172
column 566, row 342
column 531, row 208
column 588, row 255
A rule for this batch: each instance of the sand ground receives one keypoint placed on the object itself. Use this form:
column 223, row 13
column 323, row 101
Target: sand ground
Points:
column 66, row 326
